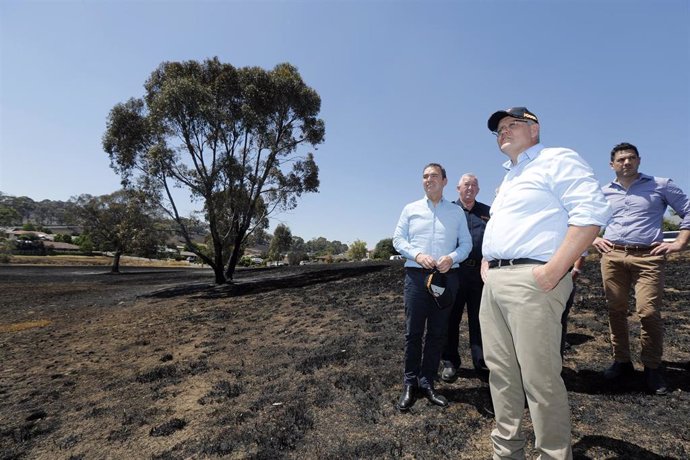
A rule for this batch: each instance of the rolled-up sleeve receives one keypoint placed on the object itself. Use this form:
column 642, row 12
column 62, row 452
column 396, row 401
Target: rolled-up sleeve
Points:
column 679, row 202
column 579, row 191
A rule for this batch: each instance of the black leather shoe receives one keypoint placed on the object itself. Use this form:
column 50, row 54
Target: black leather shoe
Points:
column 406, row 399
column 448, row 372
column 618, row 370
column 654, row 378
column 435, row 398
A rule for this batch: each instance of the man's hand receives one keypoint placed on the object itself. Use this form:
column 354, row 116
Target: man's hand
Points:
column 484, row 269
column 666, row 248
column 602, row 245
column 444, row 264
column 425, row 260
column 545, row 278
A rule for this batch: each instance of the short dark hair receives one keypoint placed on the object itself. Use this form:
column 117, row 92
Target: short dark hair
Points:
column 436, row 165
column 623, row 146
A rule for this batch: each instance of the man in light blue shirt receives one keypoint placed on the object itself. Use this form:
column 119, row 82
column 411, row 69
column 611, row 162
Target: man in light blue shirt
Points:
column 431, row 235
column 546, row 213
column 634, row 255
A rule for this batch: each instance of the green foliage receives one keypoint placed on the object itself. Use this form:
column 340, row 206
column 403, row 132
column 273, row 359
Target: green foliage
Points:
column 298, row 244
column 667, row 225
column 280, row 243
column 9, row 216
column 384, row 249
column 258, row 237
column 122, row 222
column 62, row 238
column 15, row 210
column 228, row 136
column 29, row 227
column 321, row 246
column 358, row 250
column 85, row 244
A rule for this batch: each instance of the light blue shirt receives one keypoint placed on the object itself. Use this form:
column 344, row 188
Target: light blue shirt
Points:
column 540, row 196
column 638, row 212
column 439, row 230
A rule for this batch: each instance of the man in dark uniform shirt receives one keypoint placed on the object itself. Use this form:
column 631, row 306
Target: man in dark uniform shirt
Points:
column 471, row 284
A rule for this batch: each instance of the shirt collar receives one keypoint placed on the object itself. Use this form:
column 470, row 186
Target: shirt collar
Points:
column 430, row 203
column 528, row 155
column 642, row 177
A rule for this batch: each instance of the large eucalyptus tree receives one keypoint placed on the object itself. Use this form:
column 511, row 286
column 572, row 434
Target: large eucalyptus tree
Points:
column 232, row 138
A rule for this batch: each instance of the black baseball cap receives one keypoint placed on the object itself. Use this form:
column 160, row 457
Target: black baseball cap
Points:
column 515, row 112
column 436, row 286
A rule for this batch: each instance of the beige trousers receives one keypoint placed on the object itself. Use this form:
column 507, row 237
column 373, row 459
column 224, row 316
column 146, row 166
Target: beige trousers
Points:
column 620, row 271
column 521, row 332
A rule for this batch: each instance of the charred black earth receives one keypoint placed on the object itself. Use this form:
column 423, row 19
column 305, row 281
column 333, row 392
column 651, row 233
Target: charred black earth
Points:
column 292, row 362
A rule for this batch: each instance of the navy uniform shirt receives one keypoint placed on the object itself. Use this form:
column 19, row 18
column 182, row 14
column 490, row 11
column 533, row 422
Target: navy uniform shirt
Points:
column 477, row 217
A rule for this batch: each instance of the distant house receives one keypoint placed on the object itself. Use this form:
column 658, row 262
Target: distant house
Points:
column 61, row 247
column 14, row 234
column 65, row 229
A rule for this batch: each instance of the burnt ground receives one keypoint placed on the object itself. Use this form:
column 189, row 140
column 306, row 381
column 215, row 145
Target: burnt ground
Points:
column 286, row 363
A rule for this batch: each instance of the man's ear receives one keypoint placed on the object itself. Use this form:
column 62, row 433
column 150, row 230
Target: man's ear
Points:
column 534, row 130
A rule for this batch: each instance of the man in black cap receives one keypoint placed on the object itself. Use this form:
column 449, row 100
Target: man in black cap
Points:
column 432, row 235
column 546, row 213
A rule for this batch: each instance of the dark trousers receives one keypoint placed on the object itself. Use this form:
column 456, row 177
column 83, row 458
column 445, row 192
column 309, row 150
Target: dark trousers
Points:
column 425, row 328
column 564, row 318
column 470, row 287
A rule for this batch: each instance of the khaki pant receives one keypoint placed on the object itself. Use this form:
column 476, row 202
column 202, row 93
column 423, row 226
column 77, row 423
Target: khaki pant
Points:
column 521, row 332
column 620, row 271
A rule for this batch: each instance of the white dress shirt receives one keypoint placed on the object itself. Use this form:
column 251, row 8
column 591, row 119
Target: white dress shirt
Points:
column 540, row 196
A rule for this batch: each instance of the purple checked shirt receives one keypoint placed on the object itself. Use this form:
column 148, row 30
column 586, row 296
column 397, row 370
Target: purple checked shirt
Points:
column 639, row 211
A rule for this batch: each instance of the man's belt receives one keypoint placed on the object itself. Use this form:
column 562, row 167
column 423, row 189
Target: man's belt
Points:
column 632, row 247
column 498, row 263
column 470, row 263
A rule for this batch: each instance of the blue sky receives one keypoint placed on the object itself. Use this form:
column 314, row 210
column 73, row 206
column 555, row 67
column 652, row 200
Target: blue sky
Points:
column 402, row 84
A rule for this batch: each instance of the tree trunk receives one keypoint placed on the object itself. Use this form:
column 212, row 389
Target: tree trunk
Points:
column 116, row 262
column 235, row 255
column 218, row 265
column 220, row 276
column 232, row 263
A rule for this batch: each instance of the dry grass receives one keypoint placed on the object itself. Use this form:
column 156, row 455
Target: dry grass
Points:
column 16, row 327
column 125, row 261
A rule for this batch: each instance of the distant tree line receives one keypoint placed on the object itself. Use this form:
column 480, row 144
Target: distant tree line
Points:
column 125, row 223
column 16, row 211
